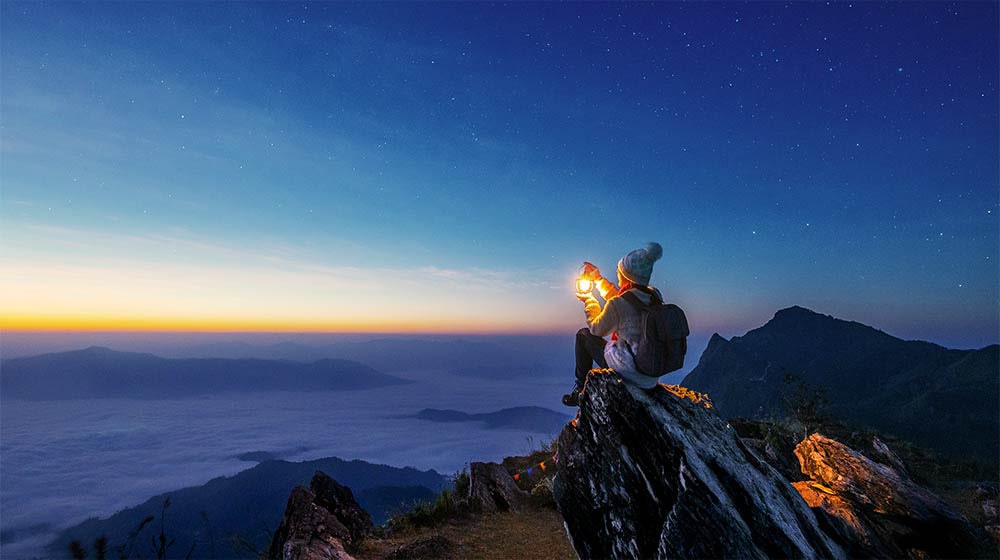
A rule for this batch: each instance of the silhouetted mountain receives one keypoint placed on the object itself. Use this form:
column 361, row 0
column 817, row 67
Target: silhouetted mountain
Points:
column 531, row 418
column 249, row 505
column 98, row 372
column 260, row 456
column 461, row 356
column 934, row 396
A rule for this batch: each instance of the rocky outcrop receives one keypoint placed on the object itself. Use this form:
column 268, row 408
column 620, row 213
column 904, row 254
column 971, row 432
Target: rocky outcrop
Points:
column 321, row 522
column 659, row 475
column 492, row 489
column 876, row 510
column 985, row 497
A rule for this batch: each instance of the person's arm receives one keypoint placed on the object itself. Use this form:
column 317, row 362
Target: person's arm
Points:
column 601, row 322
column 607, row 289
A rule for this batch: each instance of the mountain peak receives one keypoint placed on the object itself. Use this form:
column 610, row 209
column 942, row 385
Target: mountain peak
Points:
column 800, row 319
column 716, row 338
column 97, row 350
column 796, row 311
column 860, row 370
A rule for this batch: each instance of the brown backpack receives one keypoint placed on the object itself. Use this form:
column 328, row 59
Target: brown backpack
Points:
column 661, row 348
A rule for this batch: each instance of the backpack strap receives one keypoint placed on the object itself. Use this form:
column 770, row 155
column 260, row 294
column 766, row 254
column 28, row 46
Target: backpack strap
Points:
column 637, row 303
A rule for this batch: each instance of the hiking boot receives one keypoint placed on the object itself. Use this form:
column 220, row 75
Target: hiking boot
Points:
column 573, row 397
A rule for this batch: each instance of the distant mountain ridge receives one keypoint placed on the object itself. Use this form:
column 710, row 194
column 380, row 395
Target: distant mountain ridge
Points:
column 530, row 418
column 384, row 354
column 250, row 504
column 99, row 372
column 934, row 396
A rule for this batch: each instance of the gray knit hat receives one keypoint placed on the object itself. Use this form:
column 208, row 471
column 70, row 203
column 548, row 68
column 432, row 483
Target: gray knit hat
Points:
column 637, row 266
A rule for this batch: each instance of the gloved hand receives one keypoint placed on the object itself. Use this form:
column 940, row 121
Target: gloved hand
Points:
column 591, row 272
column 584, row 296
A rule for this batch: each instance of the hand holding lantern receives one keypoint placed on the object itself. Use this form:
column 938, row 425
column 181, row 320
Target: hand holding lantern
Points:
column 585, row 283
column 591, row 272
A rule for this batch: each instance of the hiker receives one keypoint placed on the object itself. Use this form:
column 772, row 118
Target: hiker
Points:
column 626, row 306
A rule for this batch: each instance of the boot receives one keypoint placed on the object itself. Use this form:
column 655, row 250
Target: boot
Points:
column 573, row 397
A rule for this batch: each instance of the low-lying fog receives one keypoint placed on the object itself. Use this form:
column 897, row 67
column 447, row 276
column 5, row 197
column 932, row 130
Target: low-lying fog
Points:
column 64, row 461
column 68, row 460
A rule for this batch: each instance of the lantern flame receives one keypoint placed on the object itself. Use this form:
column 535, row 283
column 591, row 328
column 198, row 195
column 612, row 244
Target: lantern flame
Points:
column 584, row 285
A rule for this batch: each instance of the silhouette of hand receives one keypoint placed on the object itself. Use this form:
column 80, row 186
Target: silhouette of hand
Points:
column 590, row 271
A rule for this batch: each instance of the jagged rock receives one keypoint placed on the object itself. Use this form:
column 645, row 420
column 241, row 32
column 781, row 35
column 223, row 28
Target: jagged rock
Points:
column 308, row 532
column 320, row 523
column 785, row 463
column 876, row 509
column 339, row 500
column 985, row 496
column 660, row 475
column 492, row 489
column 888, row 456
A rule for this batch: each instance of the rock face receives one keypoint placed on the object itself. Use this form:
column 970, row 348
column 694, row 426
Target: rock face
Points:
column 321, row 523
column 492, row 489
column 876, row 510
column 660, row 475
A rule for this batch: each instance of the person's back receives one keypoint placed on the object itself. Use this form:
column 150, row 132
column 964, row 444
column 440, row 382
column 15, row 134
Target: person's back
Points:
column 627, row 319
column 619, row 318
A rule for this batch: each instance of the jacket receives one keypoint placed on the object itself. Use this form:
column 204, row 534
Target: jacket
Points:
column 618, row 315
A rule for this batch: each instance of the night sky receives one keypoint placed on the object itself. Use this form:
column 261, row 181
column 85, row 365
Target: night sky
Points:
column 447, row 167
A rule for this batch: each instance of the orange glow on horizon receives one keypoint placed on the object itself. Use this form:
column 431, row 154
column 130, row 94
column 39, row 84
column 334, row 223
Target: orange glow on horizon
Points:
column 83, row 323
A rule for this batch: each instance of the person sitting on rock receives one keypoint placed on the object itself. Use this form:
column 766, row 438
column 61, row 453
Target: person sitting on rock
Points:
column 619, row 319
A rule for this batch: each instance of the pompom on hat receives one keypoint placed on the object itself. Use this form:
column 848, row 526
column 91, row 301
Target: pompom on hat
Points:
column 637, row 266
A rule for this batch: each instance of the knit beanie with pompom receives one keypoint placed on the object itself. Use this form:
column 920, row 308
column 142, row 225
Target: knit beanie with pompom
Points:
column 637, row 266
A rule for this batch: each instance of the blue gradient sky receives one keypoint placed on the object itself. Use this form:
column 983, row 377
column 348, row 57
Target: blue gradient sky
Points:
column 446, row 167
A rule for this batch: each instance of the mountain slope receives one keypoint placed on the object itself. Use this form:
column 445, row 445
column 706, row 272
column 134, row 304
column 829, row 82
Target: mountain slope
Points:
column 98, row 372
column 250, row 504
column 941, row 398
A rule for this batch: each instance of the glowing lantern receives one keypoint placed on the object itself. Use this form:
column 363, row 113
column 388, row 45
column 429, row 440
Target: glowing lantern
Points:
column 584, row 285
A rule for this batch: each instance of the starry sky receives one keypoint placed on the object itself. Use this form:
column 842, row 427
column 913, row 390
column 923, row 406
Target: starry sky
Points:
column 447, row 167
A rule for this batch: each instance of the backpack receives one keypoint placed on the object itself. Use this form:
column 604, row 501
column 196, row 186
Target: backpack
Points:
column 663, row 343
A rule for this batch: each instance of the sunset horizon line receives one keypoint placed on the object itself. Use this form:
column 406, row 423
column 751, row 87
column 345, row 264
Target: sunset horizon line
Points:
column 151, row 327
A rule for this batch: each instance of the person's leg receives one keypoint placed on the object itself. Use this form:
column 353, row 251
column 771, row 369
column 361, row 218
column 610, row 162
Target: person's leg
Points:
column 589, row 350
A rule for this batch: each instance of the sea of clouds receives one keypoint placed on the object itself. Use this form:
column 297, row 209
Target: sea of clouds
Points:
column 65, row 461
